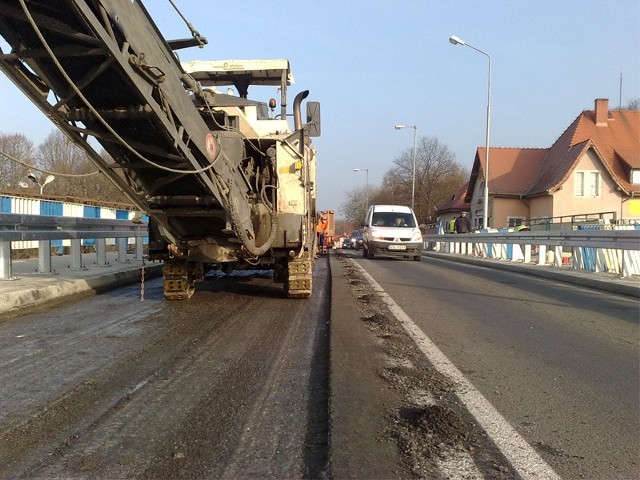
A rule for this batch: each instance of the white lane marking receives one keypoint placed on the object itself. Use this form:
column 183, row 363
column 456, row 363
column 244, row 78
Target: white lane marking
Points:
column 523, row 458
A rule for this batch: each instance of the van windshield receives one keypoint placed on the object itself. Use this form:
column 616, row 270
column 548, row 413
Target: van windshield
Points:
column 392, row 219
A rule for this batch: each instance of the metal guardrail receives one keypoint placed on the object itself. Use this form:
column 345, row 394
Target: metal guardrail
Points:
column 618, row 239
column 44, row 229
column 563, row 222
column 615, row 251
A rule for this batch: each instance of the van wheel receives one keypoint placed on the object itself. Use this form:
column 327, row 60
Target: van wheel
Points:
column 418, row 258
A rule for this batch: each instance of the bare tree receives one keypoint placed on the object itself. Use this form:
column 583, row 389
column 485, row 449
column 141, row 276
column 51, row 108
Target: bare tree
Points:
column 103, row 187
column 59, row 155
column 76, row 175
column 437, row 176
column 354, row 206
column 12, row 173
column 633, row 104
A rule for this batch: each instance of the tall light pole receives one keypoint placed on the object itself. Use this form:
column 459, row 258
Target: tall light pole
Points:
column 366, row 170
column 485, row 221
column 48, row 179
column 413, row 175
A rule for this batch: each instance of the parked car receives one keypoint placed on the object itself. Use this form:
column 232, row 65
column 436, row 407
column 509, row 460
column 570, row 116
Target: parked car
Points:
column 357, row 239
column 346, row 243
column 392, row 230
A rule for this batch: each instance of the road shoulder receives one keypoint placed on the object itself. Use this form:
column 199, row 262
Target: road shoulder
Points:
column 358, row 393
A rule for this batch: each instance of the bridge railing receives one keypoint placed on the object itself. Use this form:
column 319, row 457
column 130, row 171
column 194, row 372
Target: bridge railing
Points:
column 45, row 229
column 614, row 251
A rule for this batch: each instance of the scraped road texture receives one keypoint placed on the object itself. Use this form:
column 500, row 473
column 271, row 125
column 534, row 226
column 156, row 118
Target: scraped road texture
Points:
column 217, row 387
column 238, row 382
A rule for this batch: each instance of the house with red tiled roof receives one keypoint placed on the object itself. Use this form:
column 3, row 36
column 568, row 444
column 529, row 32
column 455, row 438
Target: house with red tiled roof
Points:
column 457, row 203
column 593, row 167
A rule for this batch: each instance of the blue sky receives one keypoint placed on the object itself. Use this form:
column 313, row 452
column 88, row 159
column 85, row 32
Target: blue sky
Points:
column 373, row 64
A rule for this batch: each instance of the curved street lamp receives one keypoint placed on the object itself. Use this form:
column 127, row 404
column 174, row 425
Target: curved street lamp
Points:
column 48, row 179
column 485, row 220
column 413, row 175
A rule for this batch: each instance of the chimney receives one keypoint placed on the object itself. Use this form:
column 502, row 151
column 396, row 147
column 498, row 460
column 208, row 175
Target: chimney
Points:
column 602, row 111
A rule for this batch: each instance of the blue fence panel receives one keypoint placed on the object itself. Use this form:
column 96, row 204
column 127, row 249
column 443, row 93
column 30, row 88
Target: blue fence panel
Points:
column 122, row 214
column 589, row 256
column 145, row 219
column 89, row 211
column 5, row 204
column 50, row 208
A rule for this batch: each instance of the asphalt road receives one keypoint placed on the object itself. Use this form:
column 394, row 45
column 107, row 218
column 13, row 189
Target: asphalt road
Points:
column 241, row 382
column 559, row 362
column 217, row 387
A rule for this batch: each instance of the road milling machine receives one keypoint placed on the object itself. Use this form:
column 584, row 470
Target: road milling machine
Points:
column 226, row 181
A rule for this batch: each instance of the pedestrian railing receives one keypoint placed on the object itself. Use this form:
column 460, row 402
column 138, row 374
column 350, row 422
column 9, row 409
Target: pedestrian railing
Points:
column 615, row 251
column 45, row 229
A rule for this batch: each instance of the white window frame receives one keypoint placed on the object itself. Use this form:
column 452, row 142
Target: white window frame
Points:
column 587, row 183
column 481, row 192
column 515, row 221
column 478, row 219
column 635, row 176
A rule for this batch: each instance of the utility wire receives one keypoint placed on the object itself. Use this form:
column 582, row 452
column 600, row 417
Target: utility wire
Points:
column 33, row 167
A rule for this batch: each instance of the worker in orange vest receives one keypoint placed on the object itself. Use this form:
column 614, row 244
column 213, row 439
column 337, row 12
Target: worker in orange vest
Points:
column 321, row 230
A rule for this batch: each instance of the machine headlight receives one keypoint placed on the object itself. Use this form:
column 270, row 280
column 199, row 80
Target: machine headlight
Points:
column 417, row 236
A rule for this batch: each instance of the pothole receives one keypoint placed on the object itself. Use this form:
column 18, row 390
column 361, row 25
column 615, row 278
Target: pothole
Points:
column 365, row 298
column 398, row 363
column 421, row 397
column 375, row 318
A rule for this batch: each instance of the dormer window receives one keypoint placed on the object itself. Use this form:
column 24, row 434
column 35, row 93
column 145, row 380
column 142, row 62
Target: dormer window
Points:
column 635, row 176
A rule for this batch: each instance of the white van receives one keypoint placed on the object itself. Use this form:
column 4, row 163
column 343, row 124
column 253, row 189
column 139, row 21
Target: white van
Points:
column 392, row 230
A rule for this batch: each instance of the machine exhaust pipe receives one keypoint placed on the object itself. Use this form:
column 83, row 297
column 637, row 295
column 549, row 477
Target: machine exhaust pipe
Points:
column 297, row 112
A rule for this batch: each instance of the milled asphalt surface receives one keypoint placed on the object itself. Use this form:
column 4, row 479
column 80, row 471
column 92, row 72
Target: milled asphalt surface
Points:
column 30, row 289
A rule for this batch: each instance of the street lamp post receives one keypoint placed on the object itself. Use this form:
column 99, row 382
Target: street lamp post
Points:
column 48, row 179
column 485, row 221
column 366, row 170
column 413, row 175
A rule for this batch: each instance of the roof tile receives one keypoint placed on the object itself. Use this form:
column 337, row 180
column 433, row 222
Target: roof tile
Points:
column 535, row 171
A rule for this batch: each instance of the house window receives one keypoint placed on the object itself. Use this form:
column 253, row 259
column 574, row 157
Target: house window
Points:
column 477, row 219
column 635, row 176
column 481, row 193
column 587, row 184
column 515, row 221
